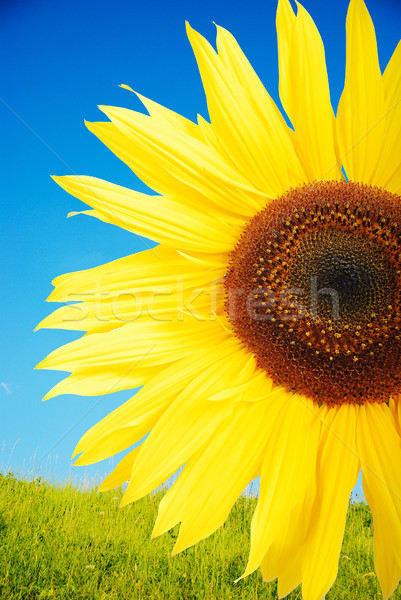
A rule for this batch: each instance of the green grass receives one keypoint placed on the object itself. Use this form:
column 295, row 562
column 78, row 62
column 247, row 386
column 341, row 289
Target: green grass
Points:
column 59, row 542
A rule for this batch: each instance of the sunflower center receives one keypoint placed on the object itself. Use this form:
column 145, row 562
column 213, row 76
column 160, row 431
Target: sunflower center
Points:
column 313, row 289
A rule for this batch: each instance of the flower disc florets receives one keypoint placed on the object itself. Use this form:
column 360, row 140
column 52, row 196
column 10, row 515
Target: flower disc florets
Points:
column 313, row 289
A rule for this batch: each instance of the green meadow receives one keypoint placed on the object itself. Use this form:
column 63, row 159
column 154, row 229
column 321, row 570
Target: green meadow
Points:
column 62, row 542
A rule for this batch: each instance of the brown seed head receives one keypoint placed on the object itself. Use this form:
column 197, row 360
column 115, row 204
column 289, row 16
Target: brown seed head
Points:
column 313, row 289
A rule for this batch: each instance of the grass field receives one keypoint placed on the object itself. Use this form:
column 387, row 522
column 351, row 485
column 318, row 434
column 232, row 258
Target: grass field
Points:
column 59, row 542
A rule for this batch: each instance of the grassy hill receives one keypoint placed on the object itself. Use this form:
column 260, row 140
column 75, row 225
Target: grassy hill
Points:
column 59, row 542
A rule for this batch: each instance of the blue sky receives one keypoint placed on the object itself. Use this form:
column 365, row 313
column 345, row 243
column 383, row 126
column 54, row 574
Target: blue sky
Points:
column 60, row 60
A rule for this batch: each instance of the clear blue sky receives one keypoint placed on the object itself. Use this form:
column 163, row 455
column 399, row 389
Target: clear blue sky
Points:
column 59, row 61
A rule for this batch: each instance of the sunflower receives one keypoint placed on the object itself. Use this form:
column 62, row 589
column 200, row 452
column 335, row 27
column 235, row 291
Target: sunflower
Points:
column 265, row 326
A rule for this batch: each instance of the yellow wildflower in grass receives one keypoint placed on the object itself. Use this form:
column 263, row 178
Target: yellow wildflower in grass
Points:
column 265, row 327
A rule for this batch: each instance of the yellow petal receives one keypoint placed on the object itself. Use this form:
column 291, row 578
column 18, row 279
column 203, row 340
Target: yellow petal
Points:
column 77, row 317
column 213, row 479
column 379, row 445
column 170, row 118
column 188, row 423
column 158, row 270
column 283, row 560
column 253, row 390
column 192, row 418
column 284, row 557
column 88, row 316
column 388, row 173
column 288, row 469
column 128, row 423
column 245, row 120
column 395, row 408
column 173, row 503
column 121, row 473
column 304, row 92
column 361, row 111
column 93, row 382
column 181, row 226
column 90, row 213
column 109, row 312
column 177, row 165
column 392, row 82
column 209, row 135
column 337, row 472
column 308, row 542
column 143, row 344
